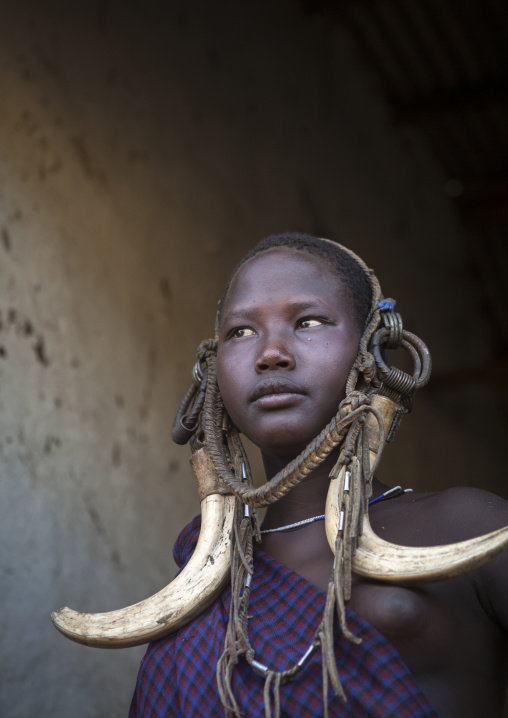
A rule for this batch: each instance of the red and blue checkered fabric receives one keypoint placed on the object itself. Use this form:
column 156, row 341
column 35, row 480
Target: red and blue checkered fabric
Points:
column 177, row 673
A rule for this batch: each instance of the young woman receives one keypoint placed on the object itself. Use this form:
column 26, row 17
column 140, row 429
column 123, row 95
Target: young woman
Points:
column 298, row 367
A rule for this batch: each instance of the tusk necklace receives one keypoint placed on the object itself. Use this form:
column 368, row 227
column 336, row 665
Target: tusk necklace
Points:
column 390, row 494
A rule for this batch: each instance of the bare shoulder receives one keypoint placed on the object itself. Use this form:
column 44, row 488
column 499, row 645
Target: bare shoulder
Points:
column 453, row 515
column 480, row 512
column 464, row 512
column 434, row 518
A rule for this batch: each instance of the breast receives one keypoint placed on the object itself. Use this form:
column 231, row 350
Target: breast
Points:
column 395, row 611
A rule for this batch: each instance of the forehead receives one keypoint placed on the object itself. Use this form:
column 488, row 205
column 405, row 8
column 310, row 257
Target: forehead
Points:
column 281, row 273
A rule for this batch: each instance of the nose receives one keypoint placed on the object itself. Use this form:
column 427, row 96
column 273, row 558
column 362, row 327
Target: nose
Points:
column 274, row 354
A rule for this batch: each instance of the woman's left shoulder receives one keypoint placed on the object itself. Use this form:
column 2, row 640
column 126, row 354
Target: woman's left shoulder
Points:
column 455, row 514
column 471, row 510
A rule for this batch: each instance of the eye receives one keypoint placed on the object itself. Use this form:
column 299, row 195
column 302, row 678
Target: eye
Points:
column 309, row 323
column 241, row 332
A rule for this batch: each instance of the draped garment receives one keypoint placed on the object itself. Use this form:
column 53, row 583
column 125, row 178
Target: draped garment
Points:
column 177, row 673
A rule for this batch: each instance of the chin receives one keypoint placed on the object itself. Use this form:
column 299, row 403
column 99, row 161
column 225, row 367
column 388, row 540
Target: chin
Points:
column 287, row 449
column 284, row 436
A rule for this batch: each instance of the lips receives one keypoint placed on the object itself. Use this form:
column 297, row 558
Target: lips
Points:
column 269, row 387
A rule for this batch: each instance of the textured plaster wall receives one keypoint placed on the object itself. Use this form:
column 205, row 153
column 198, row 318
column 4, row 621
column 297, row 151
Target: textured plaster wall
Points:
column 143, row 149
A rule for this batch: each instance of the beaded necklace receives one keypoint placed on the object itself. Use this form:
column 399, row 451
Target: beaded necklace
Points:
column 390, row 494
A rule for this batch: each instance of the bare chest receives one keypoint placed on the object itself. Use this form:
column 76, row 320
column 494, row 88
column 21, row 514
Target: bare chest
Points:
column 405, row 615
column 397, row 612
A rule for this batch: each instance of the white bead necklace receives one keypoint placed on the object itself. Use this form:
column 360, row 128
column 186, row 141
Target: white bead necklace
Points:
column 390, row 494
column 292, row 526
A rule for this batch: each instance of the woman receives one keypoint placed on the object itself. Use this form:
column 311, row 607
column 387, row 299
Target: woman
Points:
column 298, row 365
column 289, row 330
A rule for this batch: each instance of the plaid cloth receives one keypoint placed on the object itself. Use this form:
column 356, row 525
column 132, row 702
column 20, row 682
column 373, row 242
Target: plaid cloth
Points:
column 177, row 673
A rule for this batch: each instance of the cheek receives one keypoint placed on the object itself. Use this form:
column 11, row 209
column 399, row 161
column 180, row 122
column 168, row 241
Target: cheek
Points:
column 227, row 377
column 332, row 393
column 349, row 354
column 333, row 376
column 339, row 360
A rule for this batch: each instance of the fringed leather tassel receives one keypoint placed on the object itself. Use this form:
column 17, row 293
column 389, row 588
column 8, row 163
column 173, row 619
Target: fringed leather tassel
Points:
column 272, row 678
column 237, row 642
column 245, row 530
column 354, row 463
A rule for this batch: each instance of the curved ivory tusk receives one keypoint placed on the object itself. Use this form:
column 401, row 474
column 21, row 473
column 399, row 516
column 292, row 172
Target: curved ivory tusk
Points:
column 193, row 590
column 378, row 559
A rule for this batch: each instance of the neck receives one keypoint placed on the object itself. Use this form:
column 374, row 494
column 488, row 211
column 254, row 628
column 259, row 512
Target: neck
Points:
column 308, row 498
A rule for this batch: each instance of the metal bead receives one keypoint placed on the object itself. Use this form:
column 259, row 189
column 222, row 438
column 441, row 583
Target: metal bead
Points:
column 259, row 668
column 303, row 660
column 341, row 521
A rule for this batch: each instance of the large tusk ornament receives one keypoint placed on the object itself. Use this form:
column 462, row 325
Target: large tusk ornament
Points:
column 381, row 560
column 189, row 594
column 385, row 561
column 207, row 572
